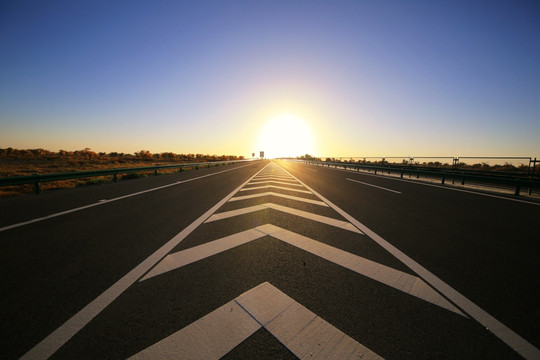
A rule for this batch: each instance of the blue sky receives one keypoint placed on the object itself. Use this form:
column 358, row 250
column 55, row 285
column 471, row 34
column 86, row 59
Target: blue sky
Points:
column 369, row 78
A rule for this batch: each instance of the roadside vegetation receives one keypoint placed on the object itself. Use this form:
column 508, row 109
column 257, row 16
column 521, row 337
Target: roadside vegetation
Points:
column 506, row 167
column 15, row 162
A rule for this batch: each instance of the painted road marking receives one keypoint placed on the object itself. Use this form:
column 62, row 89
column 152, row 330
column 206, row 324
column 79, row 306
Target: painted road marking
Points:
column 48, row 346
column 305, row 334
column 307, row 215
column 210, row 337
column 55, row 340
column 399, row 280
column 275, row 187
column 509, row 337
column 441, row 187
column 275, row 182
column 269, row 193
column 274, row 177
column 101, row 202
column 375, row 186
column 185, row 257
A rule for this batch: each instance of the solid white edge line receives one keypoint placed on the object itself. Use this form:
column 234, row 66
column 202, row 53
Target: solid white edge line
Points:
column 441, row 187
column 508, row 336
column 375, row 186
column 48, row 346
column 102, row 202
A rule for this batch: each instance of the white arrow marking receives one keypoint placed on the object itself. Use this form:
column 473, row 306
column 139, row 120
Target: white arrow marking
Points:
column 275, row 187
column 322, row 219
column 305, row 334
column 270, row 193
column 399, row 280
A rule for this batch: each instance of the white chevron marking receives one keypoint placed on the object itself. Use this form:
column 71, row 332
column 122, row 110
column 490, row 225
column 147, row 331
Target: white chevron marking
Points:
column 275, row 187
column 270, row 193
column 285, row 178
column 399, row 280
column 307, row 215
column 275, row 182
column 305, row 334
column 194, row 254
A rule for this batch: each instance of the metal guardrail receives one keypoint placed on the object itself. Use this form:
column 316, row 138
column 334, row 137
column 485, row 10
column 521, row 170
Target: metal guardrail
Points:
column 453, row 162
column 36, row 179
column 444, row 174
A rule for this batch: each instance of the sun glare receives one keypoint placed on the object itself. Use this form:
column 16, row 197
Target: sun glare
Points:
column 286, row 136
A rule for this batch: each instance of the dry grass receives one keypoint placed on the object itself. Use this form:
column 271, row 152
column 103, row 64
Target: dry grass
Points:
column 28, row 162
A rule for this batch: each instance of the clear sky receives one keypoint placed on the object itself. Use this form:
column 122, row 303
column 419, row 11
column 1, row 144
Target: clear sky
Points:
column 328, row 78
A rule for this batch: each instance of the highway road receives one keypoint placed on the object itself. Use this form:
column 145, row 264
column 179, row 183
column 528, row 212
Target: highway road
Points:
column 269, row 260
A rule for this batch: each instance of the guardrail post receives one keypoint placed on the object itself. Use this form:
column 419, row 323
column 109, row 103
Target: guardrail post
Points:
column 442, row 180
column 401, row 176
column 37, row 187
column 517, row 188
column 116, row 175
column 155, row 171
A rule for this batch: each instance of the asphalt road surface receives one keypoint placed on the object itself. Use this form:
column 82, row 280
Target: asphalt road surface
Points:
column 269, row 260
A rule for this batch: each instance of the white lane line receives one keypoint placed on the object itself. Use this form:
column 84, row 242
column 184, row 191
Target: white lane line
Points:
column 275, row 182
column 48, row 346
column 209, row 338
column 275, row 187
column 442, row 187
column 307, row 215
column 269, row 193
column 509, row 337
column 101, row 202
column 305, row 334
column 399, row 280
column 375, row 186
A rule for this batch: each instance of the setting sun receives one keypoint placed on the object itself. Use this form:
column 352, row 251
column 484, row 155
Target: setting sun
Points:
column 286, row 136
